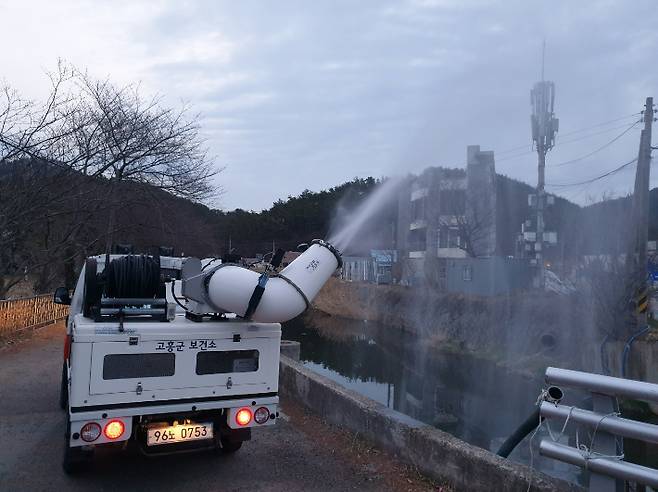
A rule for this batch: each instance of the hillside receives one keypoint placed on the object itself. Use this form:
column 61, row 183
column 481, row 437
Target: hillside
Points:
column 47, row 231
column 291, row 221
column 52, row 218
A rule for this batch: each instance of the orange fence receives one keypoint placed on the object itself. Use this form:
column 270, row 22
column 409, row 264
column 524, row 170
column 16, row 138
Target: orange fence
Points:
column 29, row 312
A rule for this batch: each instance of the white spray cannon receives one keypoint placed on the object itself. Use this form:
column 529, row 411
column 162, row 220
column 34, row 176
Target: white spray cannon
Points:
column 262, row 297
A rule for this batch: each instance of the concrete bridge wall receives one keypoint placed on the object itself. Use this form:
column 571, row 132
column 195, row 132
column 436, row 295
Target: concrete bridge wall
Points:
column 435, row 453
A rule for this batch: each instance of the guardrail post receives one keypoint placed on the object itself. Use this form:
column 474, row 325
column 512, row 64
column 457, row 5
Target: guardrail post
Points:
column 604, row 443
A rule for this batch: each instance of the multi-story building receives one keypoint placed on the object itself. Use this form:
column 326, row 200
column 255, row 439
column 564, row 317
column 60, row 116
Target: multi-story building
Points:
column 481, row 203
column 448, row 213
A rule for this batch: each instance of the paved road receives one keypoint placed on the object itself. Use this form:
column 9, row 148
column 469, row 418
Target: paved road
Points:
column 298, row 453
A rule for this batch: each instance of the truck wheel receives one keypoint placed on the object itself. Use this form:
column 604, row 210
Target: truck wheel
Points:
column 75, row 459
column 64, row 389
column 230, row 446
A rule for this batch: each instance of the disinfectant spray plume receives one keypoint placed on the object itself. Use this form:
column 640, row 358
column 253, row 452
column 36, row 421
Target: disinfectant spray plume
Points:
column 344, row 233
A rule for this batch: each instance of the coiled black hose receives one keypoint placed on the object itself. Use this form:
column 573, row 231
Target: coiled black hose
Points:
column 133, row 276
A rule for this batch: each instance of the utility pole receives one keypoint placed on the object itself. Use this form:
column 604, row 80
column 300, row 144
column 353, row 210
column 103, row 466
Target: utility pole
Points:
column 638, row 260
column 544, row 127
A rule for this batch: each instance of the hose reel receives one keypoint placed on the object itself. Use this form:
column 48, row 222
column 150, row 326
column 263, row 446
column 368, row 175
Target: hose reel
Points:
column 128, row 286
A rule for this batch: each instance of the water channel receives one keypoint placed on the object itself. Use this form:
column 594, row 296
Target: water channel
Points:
column 471, row 398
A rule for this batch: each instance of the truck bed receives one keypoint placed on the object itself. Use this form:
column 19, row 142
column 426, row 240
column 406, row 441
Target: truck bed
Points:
column 154, row 363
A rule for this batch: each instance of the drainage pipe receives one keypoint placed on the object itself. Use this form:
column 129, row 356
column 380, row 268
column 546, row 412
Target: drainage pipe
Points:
column 553, row 395
column 284, row 295
column 627, row 349
column 519, row 434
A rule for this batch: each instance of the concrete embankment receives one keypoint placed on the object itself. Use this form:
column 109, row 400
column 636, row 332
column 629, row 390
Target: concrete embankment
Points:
column 525, row 331
column 435, row 453
column 520, row 324
column 641, row 360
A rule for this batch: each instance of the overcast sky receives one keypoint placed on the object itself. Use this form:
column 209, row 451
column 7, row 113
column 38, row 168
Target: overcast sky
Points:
column 309, row 94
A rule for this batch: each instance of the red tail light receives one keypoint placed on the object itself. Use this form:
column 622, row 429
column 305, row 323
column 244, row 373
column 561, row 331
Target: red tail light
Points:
column 114, row 429
column 243, row 417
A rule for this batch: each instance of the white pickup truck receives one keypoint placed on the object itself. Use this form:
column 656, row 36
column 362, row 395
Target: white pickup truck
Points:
column 170, row 355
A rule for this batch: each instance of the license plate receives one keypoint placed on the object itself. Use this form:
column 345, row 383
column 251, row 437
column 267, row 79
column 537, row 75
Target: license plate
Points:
column 170, row 434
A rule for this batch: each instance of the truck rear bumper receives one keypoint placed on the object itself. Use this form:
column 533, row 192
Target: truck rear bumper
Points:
column 130, row 416
column 168, row 407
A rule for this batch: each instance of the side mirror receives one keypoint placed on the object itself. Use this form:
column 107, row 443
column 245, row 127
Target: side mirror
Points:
column 62, row 296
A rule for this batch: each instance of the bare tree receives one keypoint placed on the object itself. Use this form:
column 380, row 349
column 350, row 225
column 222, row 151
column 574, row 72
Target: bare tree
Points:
column 29, row 187
column 14, row 112
column 30, row 129
column 69, row 159
column 117, row 134
column 44, row 214
column 472, row 218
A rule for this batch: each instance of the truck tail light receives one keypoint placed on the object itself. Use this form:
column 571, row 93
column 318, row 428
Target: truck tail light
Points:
column 261, row 415
column 114, row 429
column 243, row 417
column 90, row 432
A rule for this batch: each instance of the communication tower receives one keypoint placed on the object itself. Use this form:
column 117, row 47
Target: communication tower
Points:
column 544, row 126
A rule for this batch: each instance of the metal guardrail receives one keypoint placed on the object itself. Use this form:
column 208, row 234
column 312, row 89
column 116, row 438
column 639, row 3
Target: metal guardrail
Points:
column 605, row 385
column 602, row 456
column 612, row 424
column 606, row 467
column 29, row 312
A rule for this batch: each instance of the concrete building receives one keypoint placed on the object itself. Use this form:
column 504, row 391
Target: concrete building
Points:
column 448, row 213
column 490, row 276
column 358, row 269
column 481, row 202
column 376, row 268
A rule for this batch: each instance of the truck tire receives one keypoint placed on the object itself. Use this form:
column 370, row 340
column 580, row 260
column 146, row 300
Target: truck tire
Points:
column 230, row 446
column 75, row 459
column 64, row 389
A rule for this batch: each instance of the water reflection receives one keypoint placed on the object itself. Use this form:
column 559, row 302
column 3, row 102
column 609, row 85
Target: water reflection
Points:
column 471, row 398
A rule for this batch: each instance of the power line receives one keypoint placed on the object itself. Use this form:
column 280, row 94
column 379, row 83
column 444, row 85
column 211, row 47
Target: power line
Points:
column 565, row 142
column 598, row 125
column 595, row 133
column 607, row 144
column 591, row 180
column 577, row 192
column 528, row 150
column 601, row 124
